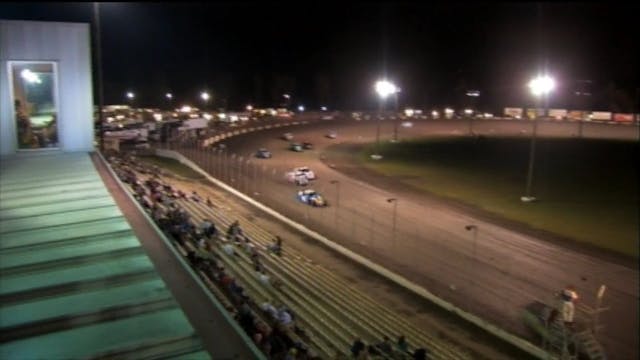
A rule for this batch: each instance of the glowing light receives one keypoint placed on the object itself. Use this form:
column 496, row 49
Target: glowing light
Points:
column 130, row 95
column 249, row 107
column 300, row 108
column 385, row 88
column 323, row 108
column 409, row 112
column 205, row 96
column 169, row 96
column 185, row 109
column 542, row 85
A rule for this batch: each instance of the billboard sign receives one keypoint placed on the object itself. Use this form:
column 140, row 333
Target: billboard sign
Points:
column 577, row 115
column 600, row 116
column 558, row 114
column 623, row 117
column 513, row 112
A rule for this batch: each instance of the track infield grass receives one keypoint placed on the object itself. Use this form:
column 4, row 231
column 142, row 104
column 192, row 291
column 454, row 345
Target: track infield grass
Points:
column 587, row 190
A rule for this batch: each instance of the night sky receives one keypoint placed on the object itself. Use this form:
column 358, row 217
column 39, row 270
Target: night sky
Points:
column 330, row 53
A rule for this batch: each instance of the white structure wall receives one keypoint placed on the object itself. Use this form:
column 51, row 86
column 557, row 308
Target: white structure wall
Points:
column 69, row 46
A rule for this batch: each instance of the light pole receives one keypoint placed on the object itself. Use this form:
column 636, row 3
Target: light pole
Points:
column 395, row 120
column 540, row 86
column 337, row 184
column 395, row 208
column 169, row 97
column 96, row 14
column 384, row 88
column 473, row 228
column 130, row 96
column 205, row 97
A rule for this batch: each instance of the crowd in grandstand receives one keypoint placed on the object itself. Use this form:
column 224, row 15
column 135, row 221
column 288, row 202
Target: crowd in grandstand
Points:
column 272, row 326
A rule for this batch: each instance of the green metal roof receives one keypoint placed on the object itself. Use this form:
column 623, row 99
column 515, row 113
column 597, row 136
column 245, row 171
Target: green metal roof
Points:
column 74, row 279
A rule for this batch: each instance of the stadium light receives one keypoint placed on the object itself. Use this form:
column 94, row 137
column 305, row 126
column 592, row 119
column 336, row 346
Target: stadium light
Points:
column 169, row 96
column 130, row 95
column 540, row 86
column 395, row 211
column 300, row 108
column 384, row 88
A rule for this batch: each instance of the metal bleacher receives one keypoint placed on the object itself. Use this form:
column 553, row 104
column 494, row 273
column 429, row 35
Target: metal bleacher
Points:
column 74, row 279
column 331, row 312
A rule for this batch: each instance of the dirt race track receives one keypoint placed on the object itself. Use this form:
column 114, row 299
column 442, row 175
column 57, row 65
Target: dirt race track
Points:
column 494, row 274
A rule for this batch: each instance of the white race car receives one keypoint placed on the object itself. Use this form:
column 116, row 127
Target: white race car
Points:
column 300, row 175
column 305, row 170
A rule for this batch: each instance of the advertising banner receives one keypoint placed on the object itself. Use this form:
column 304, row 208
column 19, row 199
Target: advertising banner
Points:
column 623, row 117
column 513, row 112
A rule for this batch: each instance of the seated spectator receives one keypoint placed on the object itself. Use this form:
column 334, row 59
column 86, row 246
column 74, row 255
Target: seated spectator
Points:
column 284, row 318
column 228, row 249
column 269, row 309
column 385, row 345
column 402, row 345
column 234, row 231
column 209, row 203
column 357, row 347
column 276, row 246
column 263, row 278
column 209, row 228
column 420, row 354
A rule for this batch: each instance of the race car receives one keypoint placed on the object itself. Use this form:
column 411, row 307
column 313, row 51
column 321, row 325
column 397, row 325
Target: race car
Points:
column 263, row 153
column 311, row 197
column 300, row 177
column 332, row 134
column 307, row 145
column 305, row 170
column 297, row 177
column 295, row 147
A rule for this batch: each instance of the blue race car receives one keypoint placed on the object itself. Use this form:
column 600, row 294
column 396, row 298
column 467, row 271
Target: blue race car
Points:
column 311, row 197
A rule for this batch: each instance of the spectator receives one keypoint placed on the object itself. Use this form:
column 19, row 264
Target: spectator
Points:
column 269, row 309
column 284, row 318
column 263, row 278
column 209, row 203
column 385, row 345
column 276, row 246
column 420, row 354
column 357, row 347
column 228, row 249
column 402, row 345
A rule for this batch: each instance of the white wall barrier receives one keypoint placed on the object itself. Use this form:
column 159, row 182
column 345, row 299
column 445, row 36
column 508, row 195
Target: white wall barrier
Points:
column 398, row 279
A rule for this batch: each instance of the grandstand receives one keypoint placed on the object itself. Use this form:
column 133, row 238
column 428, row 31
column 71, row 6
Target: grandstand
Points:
column 329, row 313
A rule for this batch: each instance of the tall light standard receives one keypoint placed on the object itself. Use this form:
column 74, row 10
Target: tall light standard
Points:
column 96, row 14
column 395, row 208
column 540, row 86
column 384, row 88
column 337, row 184
column 395, row 117
column 473, row 228
column 169, row 97
column 130, row 97
column 205, row 97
